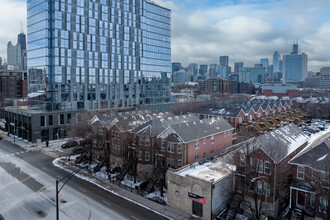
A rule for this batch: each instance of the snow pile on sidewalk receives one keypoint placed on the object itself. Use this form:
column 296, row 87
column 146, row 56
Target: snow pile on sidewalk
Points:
column 96, row 181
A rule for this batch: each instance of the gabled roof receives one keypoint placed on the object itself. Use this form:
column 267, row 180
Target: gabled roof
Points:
column 195, row 130
column 316, row 157
column 157, row 126
column 126, row 121
column 280, row 143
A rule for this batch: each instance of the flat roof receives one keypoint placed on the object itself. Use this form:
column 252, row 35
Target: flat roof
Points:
column 212, row 171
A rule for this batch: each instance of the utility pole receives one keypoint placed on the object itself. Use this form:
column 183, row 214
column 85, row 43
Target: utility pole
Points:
column 67, row 177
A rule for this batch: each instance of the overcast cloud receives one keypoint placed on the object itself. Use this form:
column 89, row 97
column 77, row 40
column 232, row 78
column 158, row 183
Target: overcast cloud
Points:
column 245, row 30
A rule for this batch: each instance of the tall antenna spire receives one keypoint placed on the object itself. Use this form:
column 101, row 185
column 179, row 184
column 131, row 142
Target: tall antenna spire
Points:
column 21, row 26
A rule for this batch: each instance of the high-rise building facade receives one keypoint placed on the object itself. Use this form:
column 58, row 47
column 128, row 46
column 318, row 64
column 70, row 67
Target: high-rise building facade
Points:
column 14, row 60
column 193, row 68
column 224, row 60
column 325, row 78
column 213, row 71
column 100, row 54
column 295, row 67
column 276, row 62
column 252, row 74
column 203, row 69
column 264, row 62
column 21, row 40
column 176, row 67
column 237, row 66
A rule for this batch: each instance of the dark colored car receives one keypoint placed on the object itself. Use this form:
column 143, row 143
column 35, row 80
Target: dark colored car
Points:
column 0, row 137
column 70, row 144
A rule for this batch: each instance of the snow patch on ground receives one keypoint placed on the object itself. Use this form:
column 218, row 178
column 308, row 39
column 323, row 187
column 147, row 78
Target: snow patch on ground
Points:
column 96, row 182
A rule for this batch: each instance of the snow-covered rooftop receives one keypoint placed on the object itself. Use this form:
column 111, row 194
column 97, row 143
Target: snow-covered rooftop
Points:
column 212, row 171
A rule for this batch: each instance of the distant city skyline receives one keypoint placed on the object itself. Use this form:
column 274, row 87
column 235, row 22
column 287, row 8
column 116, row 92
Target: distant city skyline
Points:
column 245, row 30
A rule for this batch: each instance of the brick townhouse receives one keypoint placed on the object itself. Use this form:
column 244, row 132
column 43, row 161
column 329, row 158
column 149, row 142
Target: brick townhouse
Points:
column 264, row 160
column 309, row 189
column 180, row 140
column 241, row 112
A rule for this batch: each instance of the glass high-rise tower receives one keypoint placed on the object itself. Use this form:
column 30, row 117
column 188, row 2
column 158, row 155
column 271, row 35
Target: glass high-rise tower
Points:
column 97, row 54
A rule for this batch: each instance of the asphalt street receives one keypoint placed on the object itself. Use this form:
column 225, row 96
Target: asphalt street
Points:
column 27, row 191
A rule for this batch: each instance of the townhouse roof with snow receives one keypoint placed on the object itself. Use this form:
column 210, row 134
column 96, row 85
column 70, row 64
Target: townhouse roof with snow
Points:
column 316, row 157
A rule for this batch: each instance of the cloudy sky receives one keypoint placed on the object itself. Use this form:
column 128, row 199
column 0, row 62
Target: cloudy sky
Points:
column 245, row 30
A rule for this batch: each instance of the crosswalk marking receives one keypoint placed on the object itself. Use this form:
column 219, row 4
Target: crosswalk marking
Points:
column 13, row 154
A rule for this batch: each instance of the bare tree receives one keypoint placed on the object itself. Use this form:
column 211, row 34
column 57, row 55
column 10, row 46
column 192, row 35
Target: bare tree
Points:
column 91, row 134
column 259, row 185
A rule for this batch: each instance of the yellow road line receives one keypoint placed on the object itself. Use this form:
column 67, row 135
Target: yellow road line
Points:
column 41, row 189
column 25, row 179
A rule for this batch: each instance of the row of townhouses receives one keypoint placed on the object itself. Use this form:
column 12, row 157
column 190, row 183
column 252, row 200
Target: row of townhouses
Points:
column 151, row 143
column 270, row 175
column 241, row 112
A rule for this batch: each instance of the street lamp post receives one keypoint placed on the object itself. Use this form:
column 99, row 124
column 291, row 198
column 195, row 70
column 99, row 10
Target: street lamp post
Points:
column 266, row 194
column 67, row 177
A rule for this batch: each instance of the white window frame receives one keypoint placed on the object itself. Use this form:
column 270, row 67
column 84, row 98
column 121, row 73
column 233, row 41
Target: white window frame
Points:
column 258, row 115
column 242, row 160
column 179, row 163
column 196, row 157
column 179, row 149
column 260, row 167
column 267, row 162
column 147, row 156
column 212, row 151
column 323, row 204
column 225, row 133
column 197, row 144
column 240, row 120
column 251, row 118
column 147, row 141
column 204, row 141
column 212, row 139
column 300, row 172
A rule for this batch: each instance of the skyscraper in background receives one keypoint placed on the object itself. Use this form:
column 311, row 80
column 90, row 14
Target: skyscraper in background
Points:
column 264, row 62
column 276, row 62
column 295, row 48
column 193, row 68
column 102, row 54
column 213, row 71
column 237, row 66
column 176, row 66
column 203, row 69
column 21, row 39
column 295, row 66
column 224, row 61
column 14, row 57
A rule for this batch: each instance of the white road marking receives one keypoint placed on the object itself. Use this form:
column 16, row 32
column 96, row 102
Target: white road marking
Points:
column 67, row 204
column 8, row 194
column 12, row 154
column 17, row 153
column 135, row 217
column 25, row 209
column 107, row 203
column 44, row 168
column 82, row 190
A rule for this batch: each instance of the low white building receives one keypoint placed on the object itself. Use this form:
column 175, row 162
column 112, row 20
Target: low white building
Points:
column 202, row 190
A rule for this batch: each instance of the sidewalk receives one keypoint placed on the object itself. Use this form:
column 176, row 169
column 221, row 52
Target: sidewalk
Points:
column 53, row 150
column 19, row 141
column 166, row 211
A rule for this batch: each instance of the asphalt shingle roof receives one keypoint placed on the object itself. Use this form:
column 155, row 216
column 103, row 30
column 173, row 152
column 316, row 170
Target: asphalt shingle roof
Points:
column 318, row 157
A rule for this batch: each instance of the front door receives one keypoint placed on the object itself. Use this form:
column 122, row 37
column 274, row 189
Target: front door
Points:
column 301, row 199
column 197, row 208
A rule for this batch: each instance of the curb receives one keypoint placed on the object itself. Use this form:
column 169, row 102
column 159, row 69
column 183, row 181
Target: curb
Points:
column 165, row 211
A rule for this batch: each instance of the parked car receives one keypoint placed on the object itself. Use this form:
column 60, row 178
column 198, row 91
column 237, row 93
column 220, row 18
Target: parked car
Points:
column 69, row 144
column 307, row 133
column 0, row 137
column 310, row 130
